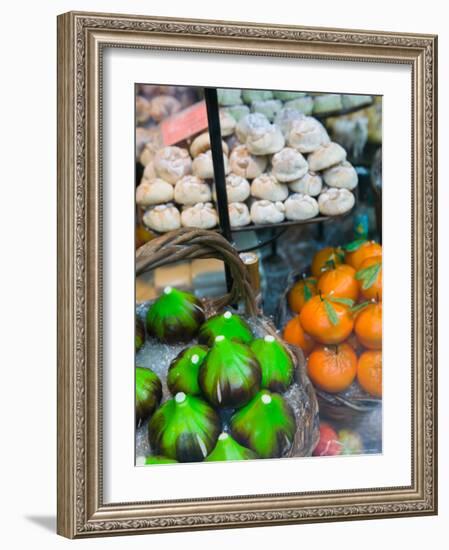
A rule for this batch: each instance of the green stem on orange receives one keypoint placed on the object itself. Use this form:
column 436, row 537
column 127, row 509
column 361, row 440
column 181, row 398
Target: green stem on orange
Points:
column 360, row 306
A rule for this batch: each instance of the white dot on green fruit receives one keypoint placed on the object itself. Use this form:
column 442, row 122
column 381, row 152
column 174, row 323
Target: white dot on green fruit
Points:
column 180, row 397
column 195, row 359
column 219, row 338
column 223, row 436
column 266, row 399
column 167, row 290
column 269, row 338
column 227, row 315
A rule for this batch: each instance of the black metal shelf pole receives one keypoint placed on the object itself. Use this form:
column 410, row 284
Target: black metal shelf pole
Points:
column 213, row 118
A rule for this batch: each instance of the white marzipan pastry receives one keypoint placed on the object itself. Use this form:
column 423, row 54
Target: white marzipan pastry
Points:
column 326, row 156
column 300, row 207
column 150, row 148
column 172, row 163
column 307, row 134
column 146, row 155
column 236, row 111
column 237, row 189
column 143, row 109
column 285, row 118
column 201, row 144
column 155, row 191
column 303, row 105
column 149, row 172
column 162, row 218
column 249, row 123
column 352, row 134
column 232, row 142
column 333, row 202
column 143, row 136
column 150, row 90
column 191, row 189
column 270, row 108
column 239, row 214
column 203, row 167
column 343, row 176
column 227, row 123
column 266, row 186
column 265, row 141
column 164, row 106
column 201, row 215
column 246, row 165
column 267, row 212
column 288, row 165
column 310, row 184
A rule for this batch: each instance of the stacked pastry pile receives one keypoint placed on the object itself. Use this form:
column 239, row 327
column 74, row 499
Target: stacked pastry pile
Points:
column 153, row 105
column 280, row 164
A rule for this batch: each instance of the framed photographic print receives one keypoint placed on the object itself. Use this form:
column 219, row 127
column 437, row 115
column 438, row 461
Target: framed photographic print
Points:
column 247, row 274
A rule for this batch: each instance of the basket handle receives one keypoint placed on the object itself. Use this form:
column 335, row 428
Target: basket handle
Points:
column 192, row 244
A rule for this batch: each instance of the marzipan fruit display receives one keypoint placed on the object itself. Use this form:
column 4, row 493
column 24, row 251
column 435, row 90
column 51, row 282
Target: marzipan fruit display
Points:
column 266, row 425
column 227, row 324
column 227, row 448
column 183, row 370
column 276, row 364
column 184, row 428
column 139, row 334
column 230, row 374
column 175, row 316
column 158, row 459
column 148, row 393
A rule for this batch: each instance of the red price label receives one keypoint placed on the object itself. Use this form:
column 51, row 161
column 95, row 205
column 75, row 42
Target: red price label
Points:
column 182, row 125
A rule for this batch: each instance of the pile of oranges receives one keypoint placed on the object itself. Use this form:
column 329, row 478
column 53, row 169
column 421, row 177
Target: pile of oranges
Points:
column 338, row 321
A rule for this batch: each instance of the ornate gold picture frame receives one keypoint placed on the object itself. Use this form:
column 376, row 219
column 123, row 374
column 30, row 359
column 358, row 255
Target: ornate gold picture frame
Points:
column 82, row 38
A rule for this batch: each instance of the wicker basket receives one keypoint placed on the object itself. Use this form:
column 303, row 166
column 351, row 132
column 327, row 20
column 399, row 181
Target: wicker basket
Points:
column 192, row 244
column 346, row 407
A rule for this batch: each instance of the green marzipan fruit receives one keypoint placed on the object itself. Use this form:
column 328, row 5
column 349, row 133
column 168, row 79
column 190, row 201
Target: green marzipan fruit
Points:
column 184, row 428
column 256, row 95
column 148, row 393
column 183, row 371
column 139, row 334
column 159, row 459
column 275, row 362
column 287, row 96
column 237, row 111
column 227, row 448
column 175, row 316
column 230, row 374
column 227, row 324
column 266, row 425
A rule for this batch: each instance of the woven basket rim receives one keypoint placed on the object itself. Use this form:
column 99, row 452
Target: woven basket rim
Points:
column 191, row 244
